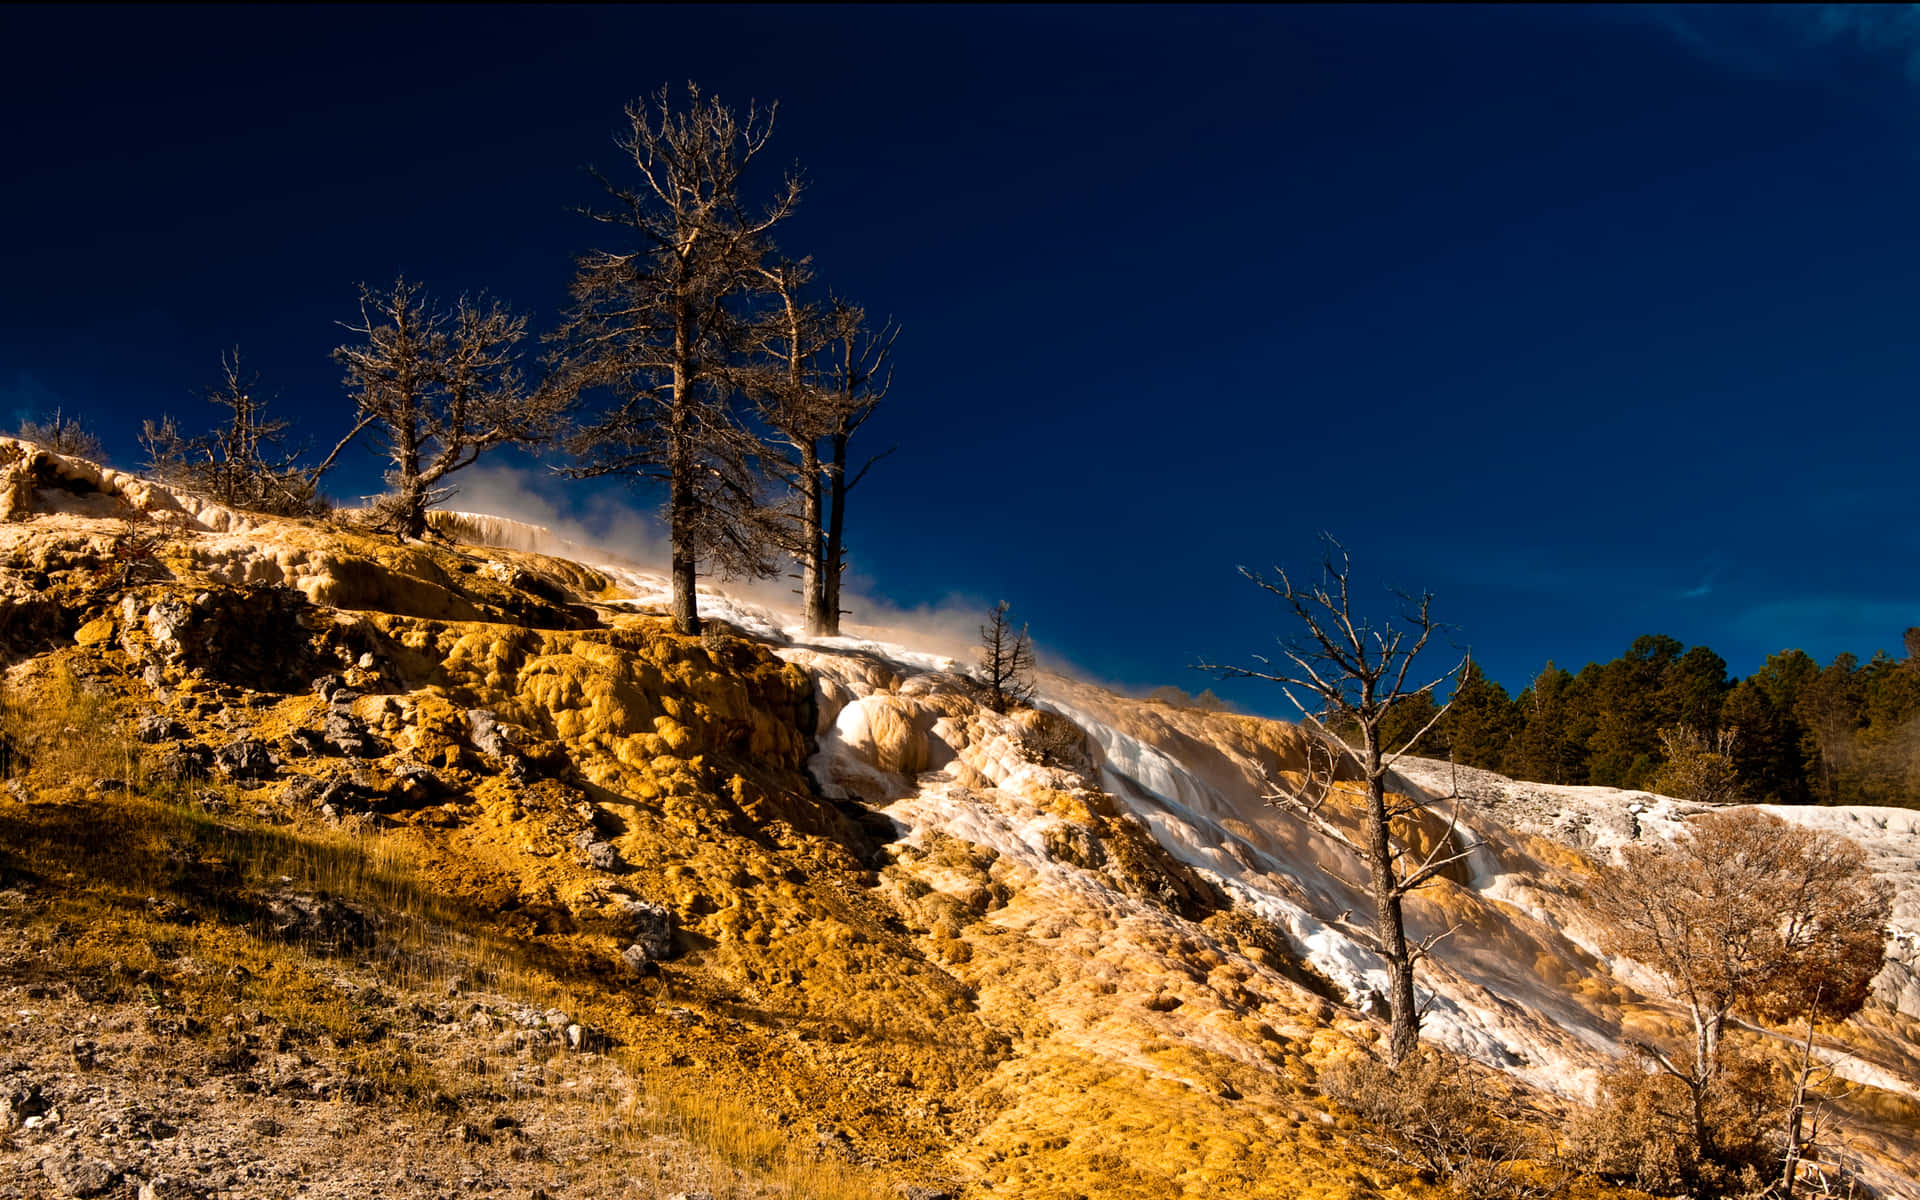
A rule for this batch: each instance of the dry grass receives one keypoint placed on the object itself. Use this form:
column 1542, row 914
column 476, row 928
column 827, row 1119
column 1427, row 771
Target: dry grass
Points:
column 153, row 894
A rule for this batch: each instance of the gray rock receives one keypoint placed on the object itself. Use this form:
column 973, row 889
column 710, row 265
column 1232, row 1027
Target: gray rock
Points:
column 417, row 784
column 246, row 758
column 184, row 761
column 19, row 1103
column 297, row 916
column 603, row 856
column 78, row 1175
column 346, row 734
column 648, row 926
column 319, row 793
column 165, row 621
column 158, row 727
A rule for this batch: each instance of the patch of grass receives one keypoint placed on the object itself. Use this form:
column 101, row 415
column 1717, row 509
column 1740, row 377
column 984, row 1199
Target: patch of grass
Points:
column 151, row 893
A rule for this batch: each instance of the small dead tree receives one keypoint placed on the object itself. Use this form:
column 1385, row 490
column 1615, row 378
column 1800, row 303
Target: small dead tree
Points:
column 246, row 464
column 1744, row 913
column 1006, row 660
column 436, row 389
column 662, row 328
column 1346, row 676
column 62, row 435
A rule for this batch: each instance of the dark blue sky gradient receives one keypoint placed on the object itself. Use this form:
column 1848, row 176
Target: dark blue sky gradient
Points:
column 1593, row 324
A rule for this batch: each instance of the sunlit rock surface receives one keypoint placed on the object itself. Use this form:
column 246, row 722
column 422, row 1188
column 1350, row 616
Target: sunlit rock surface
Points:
column 1068, row 951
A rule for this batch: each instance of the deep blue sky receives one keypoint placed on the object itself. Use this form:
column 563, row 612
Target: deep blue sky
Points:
column 1593, row 323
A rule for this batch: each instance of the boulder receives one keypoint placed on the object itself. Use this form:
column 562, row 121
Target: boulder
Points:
column 246, row 758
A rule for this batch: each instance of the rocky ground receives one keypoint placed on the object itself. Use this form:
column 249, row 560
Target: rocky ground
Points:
column 331, row 865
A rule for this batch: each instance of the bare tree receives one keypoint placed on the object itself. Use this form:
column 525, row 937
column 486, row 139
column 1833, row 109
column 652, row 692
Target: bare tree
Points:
column 1006, row 660
column 246, row 464
column 1346, row 676
column 62, row 435
column 858, row 378
column 436, row 389
column 829, row 372
column 661, row 328
column 793, row 405
column 1745, row 912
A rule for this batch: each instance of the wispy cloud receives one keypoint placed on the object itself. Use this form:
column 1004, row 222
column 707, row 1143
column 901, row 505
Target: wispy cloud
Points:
column 1710, row 571
column 1790, row 40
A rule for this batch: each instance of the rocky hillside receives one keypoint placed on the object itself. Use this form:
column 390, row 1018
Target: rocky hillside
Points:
column 335, row 866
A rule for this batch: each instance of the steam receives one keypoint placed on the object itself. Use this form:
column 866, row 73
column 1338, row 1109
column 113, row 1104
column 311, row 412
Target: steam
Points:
column 603, row 530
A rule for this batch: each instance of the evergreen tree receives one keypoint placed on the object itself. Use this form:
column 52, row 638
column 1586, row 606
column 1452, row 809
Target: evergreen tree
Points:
column 1692, row 689
column 1829, row 711
column 1480, row 724
column 1766, row 751
column 1625, row 743
column 1547, row 747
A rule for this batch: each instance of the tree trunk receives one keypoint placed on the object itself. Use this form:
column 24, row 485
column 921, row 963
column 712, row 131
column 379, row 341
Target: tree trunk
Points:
column 1796, row 1115
column 813, row 581
column 683, row 554
column 1389, row 923
column 413, row 516
column 836, row 521
column 1706, row 1064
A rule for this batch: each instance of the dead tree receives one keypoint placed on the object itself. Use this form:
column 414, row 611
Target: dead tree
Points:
column 858, row 377
column 246, row 463
column 661, row 327
column 794, row 407
column 436, row 389
column 1006, row 660
column 1345, row 675
column 826, row 374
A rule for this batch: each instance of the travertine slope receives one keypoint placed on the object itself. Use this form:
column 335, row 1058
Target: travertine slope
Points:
column 786, row 916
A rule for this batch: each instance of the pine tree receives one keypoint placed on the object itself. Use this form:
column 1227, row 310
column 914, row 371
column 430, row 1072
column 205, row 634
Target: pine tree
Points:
column 1548, row 747
column 1480, row 726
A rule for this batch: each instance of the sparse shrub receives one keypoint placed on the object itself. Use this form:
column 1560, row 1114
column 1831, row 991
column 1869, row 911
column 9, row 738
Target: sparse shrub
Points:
column 1743, row 913
column 62, row 435
column 1698, row 768
column 1432, row 1115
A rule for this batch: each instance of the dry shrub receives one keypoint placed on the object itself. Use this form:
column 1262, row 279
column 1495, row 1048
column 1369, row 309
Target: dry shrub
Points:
column 1642, row 1133
column 1432, row 1115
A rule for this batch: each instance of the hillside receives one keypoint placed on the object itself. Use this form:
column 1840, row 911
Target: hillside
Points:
column 330, row 864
